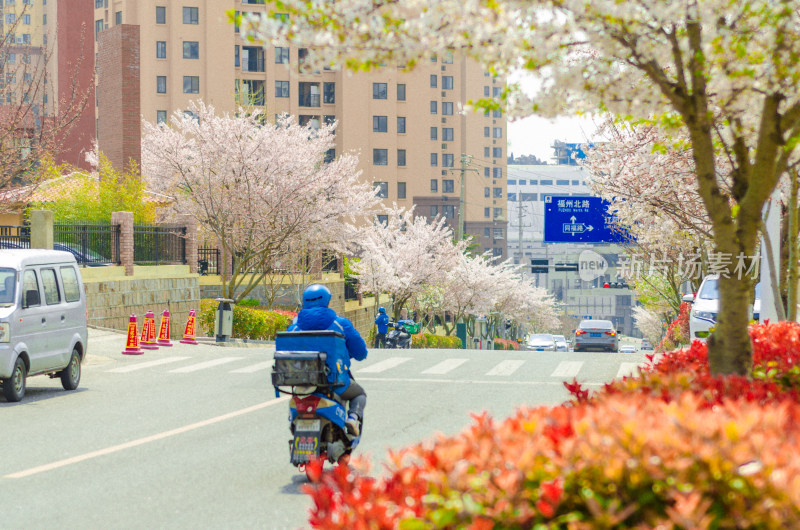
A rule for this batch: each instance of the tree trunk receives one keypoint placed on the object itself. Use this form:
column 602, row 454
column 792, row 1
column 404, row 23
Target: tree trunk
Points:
column 729, row 347
column 792, row 267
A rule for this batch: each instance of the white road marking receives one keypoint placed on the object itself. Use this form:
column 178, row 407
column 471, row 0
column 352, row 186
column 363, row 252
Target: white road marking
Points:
column 382, row 366
column 254, row 368
column 626, row 369
column 567, row 369
column 202, row 366
column 149, row 364
column 505, row 368
column 445, row 366
column 470, row 381
column 142, row 441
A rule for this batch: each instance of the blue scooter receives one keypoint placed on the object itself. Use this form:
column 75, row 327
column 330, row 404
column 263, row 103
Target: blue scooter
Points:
column 307, row 366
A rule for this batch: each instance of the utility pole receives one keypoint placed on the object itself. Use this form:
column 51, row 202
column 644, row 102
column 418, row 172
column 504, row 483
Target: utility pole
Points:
column 462, row 199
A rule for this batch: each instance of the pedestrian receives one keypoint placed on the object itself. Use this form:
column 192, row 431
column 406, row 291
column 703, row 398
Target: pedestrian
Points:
column 382, row 320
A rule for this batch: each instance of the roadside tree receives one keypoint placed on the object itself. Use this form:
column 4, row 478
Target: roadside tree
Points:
column 722, row 74
column 260, row 189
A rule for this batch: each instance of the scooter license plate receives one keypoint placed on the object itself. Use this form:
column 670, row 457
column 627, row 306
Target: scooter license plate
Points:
column 305, row 448
column 307, row 426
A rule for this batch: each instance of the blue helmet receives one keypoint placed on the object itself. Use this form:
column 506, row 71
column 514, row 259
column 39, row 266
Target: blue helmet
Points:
column 316, row 295
column 381, row 310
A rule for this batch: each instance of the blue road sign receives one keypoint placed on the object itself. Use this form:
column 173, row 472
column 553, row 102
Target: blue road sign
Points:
column 579, row 220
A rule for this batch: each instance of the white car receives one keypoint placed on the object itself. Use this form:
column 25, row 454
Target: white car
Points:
column 540, row 342
column 561, row 343
column 627, row 348
column 705, row 306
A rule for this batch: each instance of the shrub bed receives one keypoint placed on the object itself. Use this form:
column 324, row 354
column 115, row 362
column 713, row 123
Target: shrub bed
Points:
column 248, row 322
column 678, row 332
column 428, row 340
column 505, row 344
column 671, row 447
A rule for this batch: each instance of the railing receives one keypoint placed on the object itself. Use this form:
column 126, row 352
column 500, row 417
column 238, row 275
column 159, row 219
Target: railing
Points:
column 208, row 260
column 15, row 236
column 90, row 244
column 159, row 244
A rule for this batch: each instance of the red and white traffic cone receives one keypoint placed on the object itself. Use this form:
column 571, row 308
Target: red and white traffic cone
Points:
column 132, row 344
column 148, row 341
column 188, row 334
column 163, row 330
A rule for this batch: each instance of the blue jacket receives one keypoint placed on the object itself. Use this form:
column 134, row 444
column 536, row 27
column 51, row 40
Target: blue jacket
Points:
column 324, row 318
column 383, row 322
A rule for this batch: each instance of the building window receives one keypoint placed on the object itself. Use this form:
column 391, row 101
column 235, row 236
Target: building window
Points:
column 281, row 89
column 309, row 121
column 498, row 213
column 433, row 81
column 401, row 190
column 449, row 211
column 161, row 49
column 497, row 114
column 447, row 82
column 434, row 185
column 401, row 92
column 379, row 124
column 447, row 160
column 118, row 18
column 486, row 92
column 97, row 3
column 447, row 186
column 497, row 193
column 546, row 182
column 401, row 125
column 382, row 189
column 308, row 94
column 447, row 108
column 161, row 116
column 497, row 132
column 433, row 107
column 434, row 133
column 562, row 183
column 253, row 59
column 330, row 156
column 161, row 15
column 161, row 84
column 487, row 192
column 447, row 134
column 379, row 90
column 252, row 92
column 497, row 152
column 497, row 91
column 401, row 157
column 497, row 172
column 191, row 84
column 26, row 19
column 190, row 15
column 380, row 157
column 434, row 209
column 576, row 182
column 487, row 232
column 98, row 26
column 236, row 54
column 487, row 212
column 329, row 93
column 191, row 49
column 448, row 58
column 434, row 159
column 383, row 219
column 281, row 55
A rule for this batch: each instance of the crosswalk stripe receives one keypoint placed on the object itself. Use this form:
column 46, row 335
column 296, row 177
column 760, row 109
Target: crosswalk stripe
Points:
column 382, row 366
column 253, row 368
column 201, row 366
column 445, row 366
column 505, row 368
column 149, row 364
column 567, row 369
column 626, row 369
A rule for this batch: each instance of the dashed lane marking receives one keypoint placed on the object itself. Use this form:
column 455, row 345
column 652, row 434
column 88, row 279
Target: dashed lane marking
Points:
column 203, row 366
column 567, row 369
column 626, row 369
column 254, row 368
column 148, row 364
column 505, row 368
column 445, row 366
column 382, row 366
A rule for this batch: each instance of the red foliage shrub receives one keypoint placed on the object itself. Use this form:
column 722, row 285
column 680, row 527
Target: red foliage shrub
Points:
column 678, row 331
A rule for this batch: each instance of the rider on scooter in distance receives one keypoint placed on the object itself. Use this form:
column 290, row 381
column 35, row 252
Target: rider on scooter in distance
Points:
column 317, row 316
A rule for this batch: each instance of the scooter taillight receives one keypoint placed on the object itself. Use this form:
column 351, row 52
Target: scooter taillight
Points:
column 306, row 406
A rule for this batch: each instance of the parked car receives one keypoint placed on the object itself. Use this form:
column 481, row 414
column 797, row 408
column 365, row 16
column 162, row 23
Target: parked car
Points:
column 43, row 328
column 540, row 342
column 561, row 343
column 596, row 335
column 646, row 345
column 627, row 348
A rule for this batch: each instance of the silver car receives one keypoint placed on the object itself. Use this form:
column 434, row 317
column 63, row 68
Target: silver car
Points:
column 561, row 343
column 540, row 342
column 596, row 335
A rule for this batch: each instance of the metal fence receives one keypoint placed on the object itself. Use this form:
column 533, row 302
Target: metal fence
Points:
column 159, row 244
column 15, row 236
column 90, row 244
column 351, row 289
column 208, row 260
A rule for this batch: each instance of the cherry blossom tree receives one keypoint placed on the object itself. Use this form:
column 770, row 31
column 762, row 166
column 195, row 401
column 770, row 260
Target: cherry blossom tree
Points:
column 723, row 73
column 651, row 326
column 259, row 188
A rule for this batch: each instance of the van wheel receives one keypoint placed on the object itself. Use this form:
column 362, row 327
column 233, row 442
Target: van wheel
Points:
column 14, row 386
column 71, row 375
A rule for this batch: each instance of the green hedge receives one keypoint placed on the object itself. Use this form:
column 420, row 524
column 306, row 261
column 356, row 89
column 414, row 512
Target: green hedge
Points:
column 248, row 323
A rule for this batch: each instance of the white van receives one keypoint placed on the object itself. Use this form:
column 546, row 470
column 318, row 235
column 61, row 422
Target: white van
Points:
column 42, row 319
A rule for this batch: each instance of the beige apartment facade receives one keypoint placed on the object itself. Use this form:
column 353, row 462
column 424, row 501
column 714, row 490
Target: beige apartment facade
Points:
column 155, row 56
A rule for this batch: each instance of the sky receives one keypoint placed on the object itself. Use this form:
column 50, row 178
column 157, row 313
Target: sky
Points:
column 535, row 136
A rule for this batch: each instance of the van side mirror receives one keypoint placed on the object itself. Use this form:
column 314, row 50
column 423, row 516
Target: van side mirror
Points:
column 688, row 298
column 31, row 298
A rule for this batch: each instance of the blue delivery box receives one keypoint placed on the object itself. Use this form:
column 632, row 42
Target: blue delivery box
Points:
column 297, row 345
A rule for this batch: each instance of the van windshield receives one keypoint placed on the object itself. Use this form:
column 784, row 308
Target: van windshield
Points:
column 710, row 290
column 8, row 282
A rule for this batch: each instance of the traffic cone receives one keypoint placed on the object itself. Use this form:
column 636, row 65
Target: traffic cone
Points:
column 188, row 334
column 163, row 330
column 132, row 344
column 148, row 341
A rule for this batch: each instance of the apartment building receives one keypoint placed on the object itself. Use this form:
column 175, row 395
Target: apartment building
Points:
column 155, row 56
column 47, row 66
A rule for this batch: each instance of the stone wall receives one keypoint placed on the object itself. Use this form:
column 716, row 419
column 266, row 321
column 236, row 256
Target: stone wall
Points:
column 112, row 296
